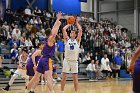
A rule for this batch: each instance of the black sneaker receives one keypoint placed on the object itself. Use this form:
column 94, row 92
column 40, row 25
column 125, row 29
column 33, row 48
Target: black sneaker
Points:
column 31, row 92
column 6, row 88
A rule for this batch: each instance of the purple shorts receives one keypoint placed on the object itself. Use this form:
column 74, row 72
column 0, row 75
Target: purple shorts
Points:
column 136, row 78
column 44, row 64
column 30, row 71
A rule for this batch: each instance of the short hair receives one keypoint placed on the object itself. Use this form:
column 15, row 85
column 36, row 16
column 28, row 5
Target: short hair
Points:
column 40, row 43
column 25, row 50
column 48, row 32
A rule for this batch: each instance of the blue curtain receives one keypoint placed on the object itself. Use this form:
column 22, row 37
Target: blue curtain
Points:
column 67, row 6
column 21, row 4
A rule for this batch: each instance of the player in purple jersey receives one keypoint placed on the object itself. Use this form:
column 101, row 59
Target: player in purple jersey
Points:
column 32, row 63
column 135, row 70
column 45, row 62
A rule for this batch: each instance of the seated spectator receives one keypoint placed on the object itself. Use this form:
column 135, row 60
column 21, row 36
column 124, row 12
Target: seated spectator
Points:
column 91, row 71
column 37, row 11
column 28, row 43
column 23, row 39
column 16, row 32
column 29, row 27
column 13, row 41
column 87, row 58
column 28, row 11
column 105, row 66
column 33, row 21
column 114, row 70
column 97, row 57
column 98, row 70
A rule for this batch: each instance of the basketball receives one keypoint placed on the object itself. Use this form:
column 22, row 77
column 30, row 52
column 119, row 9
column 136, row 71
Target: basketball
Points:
column 70, row 20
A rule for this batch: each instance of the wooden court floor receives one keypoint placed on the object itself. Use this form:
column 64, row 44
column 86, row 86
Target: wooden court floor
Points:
column 84, row 87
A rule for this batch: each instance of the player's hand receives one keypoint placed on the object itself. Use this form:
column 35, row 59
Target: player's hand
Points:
column 59, row 15
column 34, row 68
column 77, row 20
column 131, row 69
column 19, row 67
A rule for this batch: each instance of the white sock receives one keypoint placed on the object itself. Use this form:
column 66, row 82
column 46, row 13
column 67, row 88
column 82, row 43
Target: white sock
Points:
column 62, row 91
column 27, row 91
column 32, row 89
column 52, row 91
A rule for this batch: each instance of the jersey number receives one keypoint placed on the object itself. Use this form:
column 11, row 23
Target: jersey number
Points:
column 71, row 47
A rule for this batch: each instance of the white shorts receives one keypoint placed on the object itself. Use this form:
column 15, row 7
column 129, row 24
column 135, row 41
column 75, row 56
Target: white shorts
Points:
column 21, row 73
column 70, row 67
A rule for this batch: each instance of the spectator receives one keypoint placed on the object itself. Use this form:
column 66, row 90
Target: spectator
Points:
column 16, row 32
column 60, row 51
column 97, row 57
column 98, row 70
column 91, row 71
column 105, row 66
column 14, row 53
column 28, row 11
column 28, row 43
column 118, row 62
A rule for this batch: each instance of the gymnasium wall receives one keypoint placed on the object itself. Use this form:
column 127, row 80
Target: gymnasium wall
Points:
column 87, row 6
column 21, row 4
column 120, row 12
column 67, row 6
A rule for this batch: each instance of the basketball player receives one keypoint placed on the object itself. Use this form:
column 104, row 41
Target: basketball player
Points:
column 45, row 62
column 70, row 64
column 21, row 70
column 32, row 63
column 135, row 70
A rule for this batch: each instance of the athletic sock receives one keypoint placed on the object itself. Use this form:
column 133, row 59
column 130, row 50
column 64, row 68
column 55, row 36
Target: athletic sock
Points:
column 52, row 91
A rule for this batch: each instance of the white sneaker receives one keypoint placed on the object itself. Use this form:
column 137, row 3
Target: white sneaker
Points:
column 58, row 78
column 27, row 91
column 42, row 82
column 91, row 80
column 52, row 91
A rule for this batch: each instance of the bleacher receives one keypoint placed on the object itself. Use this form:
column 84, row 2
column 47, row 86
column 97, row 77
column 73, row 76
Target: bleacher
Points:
column 6, row 62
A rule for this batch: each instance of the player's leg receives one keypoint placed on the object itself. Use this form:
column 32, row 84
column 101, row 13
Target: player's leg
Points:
column 48, row 77
column 63, row 81
column 74, row 70
column 32, row 81
column 65, row 70
column 16, row 74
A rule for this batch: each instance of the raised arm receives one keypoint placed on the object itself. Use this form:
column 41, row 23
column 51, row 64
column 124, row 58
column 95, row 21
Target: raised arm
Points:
column 79, row 29
column 65, row 35
column 56, row 25
column 36, row 53
column 133, row 60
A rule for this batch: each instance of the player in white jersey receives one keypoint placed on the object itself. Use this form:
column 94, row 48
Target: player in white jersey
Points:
column 21, row 70
column 70, row 64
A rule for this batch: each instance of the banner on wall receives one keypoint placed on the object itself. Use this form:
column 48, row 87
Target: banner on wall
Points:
column 67, row 6
column 2, row 7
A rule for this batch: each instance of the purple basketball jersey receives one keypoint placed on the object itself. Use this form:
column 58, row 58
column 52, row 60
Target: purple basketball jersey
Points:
column 47, row 50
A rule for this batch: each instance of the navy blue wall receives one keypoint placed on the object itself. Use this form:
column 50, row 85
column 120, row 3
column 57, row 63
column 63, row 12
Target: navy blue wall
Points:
column 21, row 4
column 67, row 6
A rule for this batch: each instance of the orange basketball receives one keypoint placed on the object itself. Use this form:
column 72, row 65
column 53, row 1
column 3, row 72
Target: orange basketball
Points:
column 70, row 20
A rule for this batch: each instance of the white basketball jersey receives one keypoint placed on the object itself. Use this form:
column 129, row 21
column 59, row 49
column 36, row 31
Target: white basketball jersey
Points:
column 72, row 49
column 22, row 62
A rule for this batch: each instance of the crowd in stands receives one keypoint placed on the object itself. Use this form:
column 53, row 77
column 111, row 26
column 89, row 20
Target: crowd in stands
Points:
column 103, row 43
